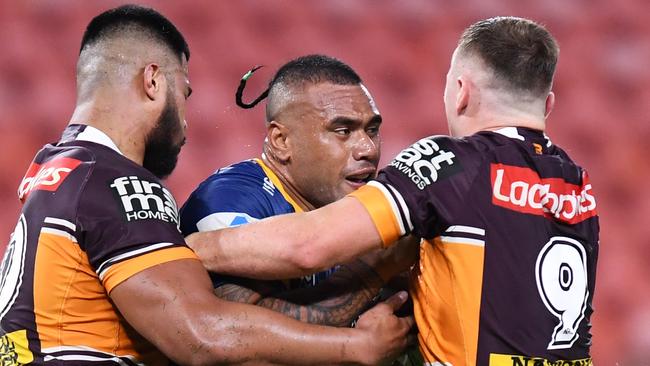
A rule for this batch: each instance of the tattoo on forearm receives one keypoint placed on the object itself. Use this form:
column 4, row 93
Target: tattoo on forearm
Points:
column 336, row 301
column 237, row 293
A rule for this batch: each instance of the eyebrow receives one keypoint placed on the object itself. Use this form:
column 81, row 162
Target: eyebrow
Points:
column 347, row 121
column 376, row 119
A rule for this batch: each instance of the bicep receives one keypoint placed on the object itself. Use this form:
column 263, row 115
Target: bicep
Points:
column 157, row 301
column 173, row 306
column 337, row 233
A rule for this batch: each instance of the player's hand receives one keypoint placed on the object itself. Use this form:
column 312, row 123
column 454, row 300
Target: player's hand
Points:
column 387, row 335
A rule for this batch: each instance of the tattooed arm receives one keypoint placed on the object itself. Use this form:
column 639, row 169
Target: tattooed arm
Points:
column 336, row 301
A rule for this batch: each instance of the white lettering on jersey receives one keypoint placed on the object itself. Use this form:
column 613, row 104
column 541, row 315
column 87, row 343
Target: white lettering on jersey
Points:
column 268, row 186
column 423, row 162
column 521, row 189
column 143, row 200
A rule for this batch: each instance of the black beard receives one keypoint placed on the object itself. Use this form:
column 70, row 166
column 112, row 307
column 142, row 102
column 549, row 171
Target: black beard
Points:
column 160, row 151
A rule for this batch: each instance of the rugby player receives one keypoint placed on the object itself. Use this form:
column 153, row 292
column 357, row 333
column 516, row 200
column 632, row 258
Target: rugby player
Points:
column 508, row 262
column 322, row 142
column 97, row 271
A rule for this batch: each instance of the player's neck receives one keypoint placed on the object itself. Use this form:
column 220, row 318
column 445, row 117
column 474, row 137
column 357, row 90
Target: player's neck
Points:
column 282, row 174
column 127, row 135
column 498, row 121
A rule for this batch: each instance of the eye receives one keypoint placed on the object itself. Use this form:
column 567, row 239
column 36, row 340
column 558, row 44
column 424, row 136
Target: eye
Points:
column 372, row 131
column 344, row 131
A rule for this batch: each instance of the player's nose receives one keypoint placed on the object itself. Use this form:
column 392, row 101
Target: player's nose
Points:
column 366, row 149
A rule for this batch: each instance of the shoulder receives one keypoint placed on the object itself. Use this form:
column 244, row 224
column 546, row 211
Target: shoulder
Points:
column 246, row 175
column 234, row 195
column 436, row 158
column 123, row 189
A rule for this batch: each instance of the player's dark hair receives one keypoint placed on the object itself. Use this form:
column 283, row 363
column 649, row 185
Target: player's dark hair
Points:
column 312, row 69
column 519, row 51
column 115, row 20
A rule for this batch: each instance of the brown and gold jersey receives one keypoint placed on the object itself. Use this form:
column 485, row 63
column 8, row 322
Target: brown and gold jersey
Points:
column 91, row 219
column 510, row 242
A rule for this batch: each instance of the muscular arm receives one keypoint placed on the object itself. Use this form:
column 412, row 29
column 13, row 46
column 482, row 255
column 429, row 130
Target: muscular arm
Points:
column 294, row 245
column 338, row 300
column 172, row 305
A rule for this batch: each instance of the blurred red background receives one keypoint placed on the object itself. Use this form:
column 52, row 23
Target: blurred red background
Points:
column 401, row 50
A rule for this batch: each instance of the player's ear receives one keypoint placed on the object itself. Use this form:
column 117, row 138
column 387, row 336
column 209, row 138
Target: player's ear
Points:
column 277, row 140
column 463, row 96
column 550, row 103
column 152, row 81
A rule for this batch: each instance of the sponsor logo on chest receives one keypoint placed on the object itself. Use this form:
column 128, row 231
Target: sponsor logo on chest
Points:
column 46, row 177
column 425, row 162
column 143, row 200
column 521, row 189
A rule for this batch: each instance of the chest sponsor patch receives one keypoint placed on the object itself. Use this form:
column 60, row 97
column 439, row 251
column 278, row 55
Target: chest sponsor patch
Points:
column 426, row 162
column 521, row 189
column 144, row 200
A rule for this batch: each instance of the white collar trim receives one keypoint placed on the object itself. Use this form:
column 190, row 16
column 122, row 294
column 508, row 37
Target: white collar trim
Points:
column 510, row 132
column 95, row 135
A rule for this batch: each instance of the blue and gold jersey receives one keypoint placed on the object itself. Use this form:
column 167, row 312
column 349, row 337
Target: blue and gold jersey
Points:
column 244, row 192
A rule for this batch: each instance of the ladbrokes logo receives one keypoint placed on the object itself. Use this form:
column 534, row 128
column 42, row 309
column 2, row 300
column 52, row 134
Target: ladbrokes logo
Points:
column 521, row 189
column 46, row 177
column 144, row 200
column 426, row 162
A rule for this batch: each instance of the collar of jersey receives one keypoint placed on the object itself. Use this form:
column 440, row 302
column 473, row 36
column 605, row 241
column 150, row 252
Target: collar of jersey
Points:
column 92, row 134
column 514, row 133
column 278, row 184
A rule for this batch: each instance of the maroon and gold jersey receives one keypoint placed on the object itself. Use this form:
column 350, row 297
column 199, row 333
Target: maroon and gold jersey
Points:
column 91, row 219
column 510, row 242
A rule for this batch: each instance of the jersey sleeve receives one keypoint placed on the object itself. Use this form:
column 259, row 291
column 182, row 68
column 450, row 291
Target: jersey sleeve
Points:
column 127, row 223
column 226, row 200
column 422, row 188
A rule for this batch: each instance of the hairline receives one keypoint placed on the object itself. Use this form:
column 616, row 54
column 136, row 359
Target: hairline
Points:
column 298, row 88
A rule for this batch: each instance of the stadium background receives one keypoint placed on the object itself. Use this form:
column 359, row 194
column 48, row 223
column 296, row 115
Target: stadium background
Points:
column 402, row 50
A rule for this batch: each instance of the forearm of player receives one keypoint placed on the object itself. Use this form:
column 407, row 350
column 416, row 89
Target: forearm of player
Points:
column 338, row 300
column 176, row 310
column 290, row 246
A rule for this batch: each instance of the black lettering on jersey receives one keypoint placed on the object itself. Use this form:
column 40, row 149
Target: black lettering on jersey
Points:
column 426, row 162
column 144, row 200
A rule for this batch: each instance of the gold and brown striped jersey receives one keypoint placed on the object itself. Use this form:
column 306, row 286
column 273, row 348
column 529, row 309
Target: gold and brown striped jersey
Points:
column 510, row 242
column 91, row 218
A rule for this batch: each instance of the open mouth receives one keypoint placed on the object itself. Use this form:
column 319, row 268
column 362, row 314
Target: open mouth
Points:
column 359, row 179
